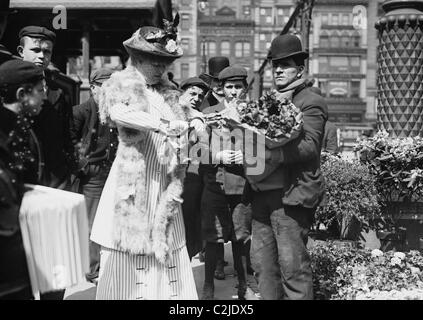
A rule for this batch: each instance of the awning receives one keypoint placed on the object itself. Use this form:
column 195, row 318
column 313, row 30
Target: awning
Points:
column 82, row 4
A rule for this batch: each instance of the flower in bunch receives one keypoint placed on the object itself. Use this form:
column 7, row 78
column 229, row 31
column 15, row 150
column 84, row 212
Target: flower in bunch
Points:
column 376, row 253
column 415, row 270
column 171, row 46
column 399, row 255
column 395, row 261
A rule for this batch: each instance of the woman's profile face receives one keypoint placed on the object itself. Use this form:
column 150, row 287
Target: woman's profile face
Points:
column 153, row 70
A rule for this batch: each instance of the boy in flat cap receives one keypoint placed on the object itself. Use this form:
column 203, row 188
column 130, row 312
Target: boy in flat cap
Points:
column 96, row 144
column 284, row 202
column 194, row 90
column 21, row 96
column 222, row 193
column 52, row 126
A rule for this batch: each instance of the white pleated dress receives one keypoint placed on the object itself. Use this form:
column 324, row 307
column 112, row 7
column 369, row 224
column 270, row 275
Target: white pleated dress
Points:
column 125, row 276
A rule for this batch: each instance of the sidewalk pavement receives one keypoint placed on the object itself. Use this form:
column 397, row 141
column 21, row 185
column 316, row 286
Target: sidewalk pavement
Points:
column 224, row 289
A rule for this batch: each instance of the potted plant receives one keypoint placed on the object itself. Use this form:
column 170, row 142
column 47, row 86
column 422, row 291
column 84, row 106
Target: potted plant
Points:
column 351, row 198
column 397, row 164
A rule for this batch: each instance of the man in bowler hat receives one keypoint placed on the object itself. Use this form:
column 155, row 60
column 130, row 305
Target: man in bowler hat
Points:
column 52, row 126
column 96, row 144
column 284, row 201
column 215, row 95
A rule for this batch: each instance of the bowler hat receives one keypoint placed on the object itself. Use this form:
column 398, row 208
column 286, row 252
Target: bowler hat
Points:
column 37, row 32
column 286, row 46
column 153, row 41
column 16, row 72
column 217, row 64
column 194, row 81
column 233, row 73
column 100, row 75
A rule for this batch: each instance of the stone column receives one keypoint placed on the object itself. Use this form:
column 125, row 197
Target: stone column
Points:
column 400, row 68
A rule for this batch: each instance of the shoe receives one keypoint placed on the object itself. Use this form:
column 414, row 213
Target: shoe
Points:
column 242, row 290
column 208, row 292
column 92, row 277
column 219, row 275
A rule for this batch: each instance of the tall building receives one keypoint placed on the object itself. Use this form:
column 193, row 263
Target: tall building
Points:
column 226, row 28
column 340, row 51
column 270, row 16
column 186, row 66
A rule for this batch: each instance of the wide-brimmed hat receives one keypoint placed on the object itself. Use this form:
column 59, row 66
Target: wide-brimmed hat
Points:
column 217, row 64
column 155, row 42
column 286, row 46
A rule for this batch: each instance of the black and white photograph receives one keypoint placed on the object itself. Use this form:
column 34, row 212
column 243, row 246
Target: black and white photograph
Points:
column 223, row 150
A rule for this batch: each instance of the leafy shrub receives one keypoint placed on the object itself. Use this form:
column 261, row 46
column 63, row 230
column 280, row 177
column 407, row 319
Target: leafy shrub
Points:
column 351, row 194
column 397, row 164
column 345, row 273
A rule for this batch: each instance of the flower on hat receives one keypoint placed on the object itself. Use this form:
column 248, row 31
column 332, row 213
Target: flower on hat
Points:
column 171, row 46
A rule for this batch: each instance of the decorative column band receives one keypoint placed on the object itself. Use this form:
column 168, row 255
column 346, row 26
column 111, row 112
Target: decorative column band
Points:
column 400, row 69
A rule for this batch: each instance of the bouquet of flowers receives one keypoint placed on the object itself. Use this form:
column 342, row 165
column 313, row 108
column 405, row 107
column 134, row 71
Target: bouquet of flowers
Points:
column 278, row 121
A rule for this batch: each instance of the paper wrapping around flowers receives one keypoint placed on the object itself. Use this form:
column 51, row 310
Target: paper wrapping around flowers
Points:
column 54, row 228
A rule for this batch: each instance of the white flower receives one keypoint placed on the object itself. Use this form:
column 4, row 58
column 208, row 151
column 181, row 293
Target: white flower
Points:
column 414, row 270
column 171, row 46
column 376, row 253
column 399, row 255
column 395, row 261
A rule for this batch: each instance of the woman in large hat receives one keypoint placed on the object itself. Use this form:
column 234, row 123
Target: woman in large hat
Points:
column 139, row 222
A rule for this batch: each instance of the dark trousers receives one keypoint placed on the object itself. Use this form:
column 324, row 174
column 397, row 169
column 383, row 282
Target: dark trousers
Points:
column 193, row 189
column 91, row 185
column 278, row 249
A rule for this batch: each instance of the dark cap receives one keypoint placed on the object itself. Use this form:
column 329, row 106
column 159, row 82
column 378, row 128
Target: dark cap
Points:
column 194, row 81
column 100, row 75
column 233, row 73
column 217, row 64
column 16, row 72
column 37, row 32
column 286, row 46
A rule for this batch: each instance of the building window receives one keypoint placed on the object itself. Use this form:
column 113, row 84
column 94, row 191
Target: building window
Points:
column 335, row 41
column 355, row 64
column 324, row 41
column 325, row 19
column 266, row 16
column 265, row 41
column 335, row 19
column 345, row 19
column 225, row 48
column 345, row 41
column 211, row 48
column 185, row 44
column 356, row 40
column 238, row 49
column 185, row 21
column 338, row 88
column 323, row 64
column 282, row 16
column 246, row 10
column 246, row 49
column 355, row 89
column 184, row 71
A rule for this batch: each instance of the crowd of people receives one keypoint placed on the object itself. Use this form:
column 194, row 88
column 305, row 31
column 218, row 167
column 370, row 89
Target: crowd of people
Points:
column 150, row 209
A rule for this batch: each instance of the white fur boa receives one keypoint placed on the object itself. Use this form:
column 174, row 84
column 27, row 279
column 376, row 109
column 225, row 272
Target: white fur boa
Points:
column 133, row 231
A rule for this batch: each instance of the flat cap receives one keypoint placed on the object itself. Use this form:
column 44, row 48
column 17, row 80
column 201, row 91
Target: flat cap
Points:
column 100, row 75
column 233, row 73
column 194, row 81
column 37, row 32
column 16, row 72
